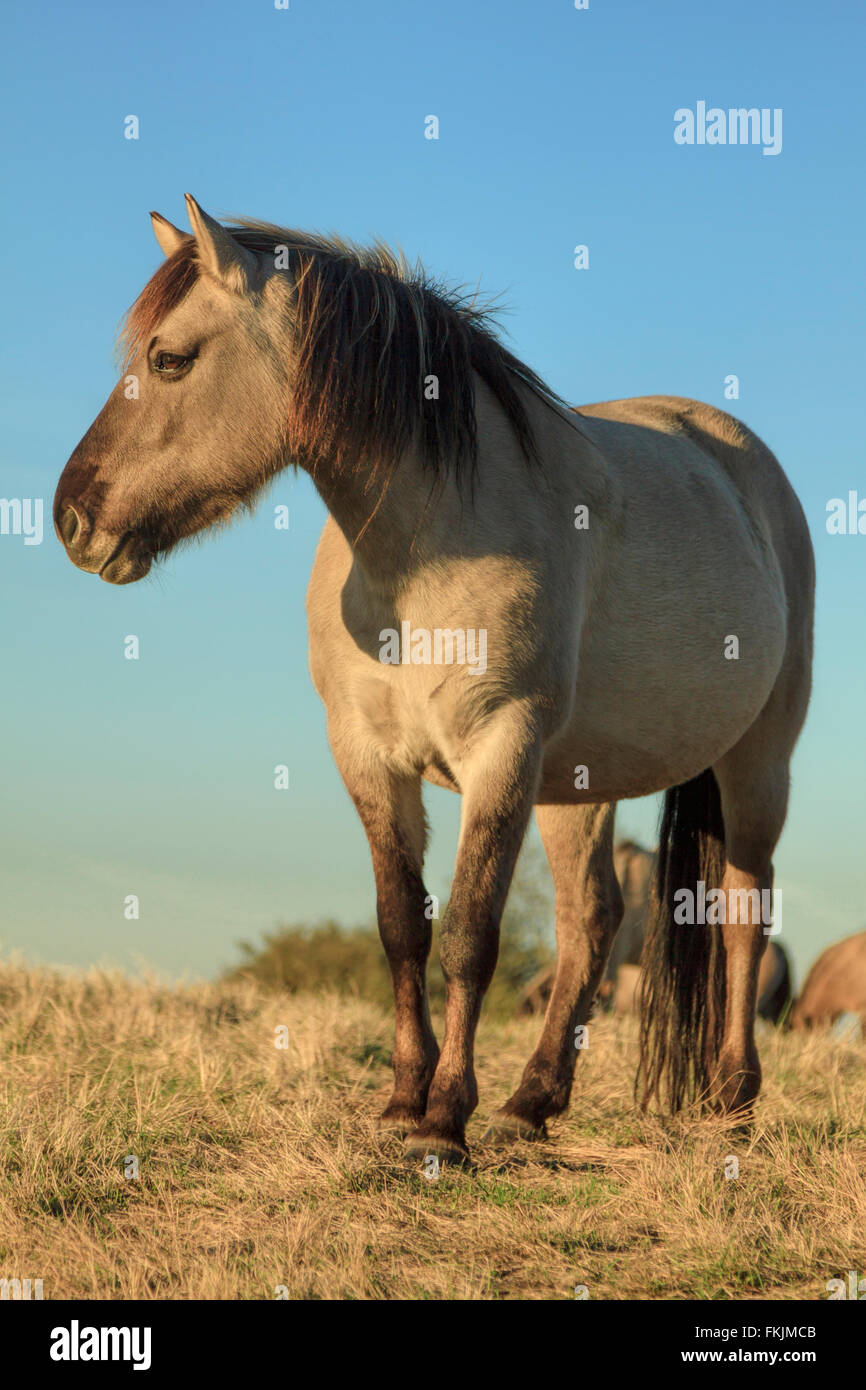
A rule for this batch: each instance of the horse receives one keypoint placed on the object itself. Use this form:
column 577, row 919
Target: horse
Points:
column 835, row 985
column 637, row 574
column 775, row 986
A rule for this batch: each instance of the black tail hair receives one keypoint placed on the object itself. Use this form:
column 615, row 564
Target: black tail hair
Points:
column 682, row 992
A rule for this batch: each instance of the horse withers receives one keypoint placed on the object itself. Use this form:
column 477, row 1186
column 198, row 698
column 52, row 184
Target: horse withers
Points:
column 637, row 573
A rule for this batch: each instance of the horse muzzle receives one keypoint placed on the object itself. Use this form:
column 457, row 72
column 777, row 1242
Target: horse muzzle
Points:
column 116, row 561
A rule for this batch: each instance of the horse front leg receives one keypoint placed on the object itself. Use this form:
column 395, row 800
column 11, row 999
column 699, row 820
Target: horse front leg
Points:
column 499, row 792
column 392, row 814
column 406, row 932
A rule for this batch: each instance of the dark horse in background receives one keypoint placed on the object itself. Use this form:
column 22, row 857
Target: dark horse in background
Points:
column 642, row 575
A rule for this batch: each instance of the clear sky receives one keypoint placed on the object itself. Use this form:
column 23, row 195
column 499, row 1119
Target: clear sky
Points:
column 556, row 128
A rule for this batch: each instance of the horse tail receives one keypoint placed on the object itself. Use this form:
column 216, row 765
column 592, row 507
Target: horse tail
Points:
column 682, row 993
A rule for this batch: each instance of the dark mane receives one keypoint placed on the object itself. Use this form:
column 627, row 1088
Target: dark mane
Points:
column 368, row 331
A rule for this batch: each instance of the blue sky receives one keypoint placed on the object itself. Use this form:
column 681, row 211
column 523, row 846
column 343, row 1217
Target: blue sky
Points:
column 155, row 777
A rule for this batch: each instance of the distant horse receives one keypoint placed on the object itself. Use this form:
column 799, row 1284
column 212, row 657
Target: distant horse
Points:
column 620, row 988
column 835, row 985
column 531, row 605
column 775, row 985
column 635, row 868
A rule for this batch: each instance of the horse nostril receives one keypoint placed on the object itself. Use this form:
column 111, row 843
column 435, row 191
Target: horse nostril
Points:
column 70, row 525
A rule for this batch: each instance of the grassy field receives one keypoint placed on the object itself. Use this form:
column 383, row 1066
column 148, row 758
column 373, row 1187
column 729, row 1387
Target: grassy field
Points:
column 260, row 1167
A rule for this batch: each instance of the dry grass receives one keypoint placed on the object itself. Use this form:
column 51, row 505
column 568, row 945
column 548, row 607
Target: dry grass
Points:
column 261, row 1167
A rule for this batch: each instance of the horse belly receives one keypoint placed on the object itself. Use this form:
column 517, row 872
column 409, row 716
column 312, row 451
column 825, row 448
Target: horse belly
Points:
column 661, row 710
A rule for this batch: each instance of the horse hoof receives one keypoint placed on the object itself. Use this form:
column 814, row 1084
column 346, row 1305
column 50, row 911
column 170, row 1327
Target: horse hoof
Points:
column 508, row 1129
column 445, row 1150
column 398, row 1123
column 737, row 1086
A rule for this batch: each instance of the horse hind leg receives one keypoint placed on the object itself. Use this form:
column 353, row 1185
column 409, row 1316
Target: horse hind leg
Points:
column 754, row 797
column 700, row 981
column 578, row 841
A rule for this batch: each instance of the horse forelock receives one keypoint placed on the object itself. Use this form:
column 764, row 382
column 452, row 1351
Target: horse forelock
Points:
column 163, row 292
column 381, row 354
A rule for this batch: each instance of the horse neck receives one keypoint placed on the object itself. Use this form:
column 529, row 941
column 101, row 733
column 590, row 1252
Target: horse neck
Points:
column 390, row 522
column 395, row 525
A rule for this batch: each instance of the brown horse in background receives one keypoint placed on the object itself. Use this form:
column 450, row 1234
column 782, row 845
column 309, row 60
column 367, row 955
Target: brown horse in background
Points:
column 835, row 985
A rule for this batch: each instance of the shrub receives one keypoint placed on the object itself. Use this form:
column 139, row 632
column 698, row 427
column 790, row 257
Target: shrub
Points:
column 301, row 958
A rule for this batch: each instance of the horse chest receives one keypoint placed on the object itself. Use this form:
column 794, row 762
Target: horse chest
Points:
column 412, row 719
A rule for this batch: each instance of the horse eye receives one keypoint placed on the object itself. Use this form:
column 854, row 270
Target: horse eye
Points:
column 169, row 362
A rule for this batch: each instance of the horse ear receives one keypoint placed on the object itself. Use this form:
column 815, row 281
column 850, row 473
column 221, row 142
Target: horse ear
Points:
column 218, row 252
column 170, row 238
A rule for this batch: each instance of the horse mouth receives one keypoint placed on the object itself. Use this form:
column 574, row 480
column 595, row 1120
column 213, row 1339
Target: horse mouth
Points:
column 128, row 562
